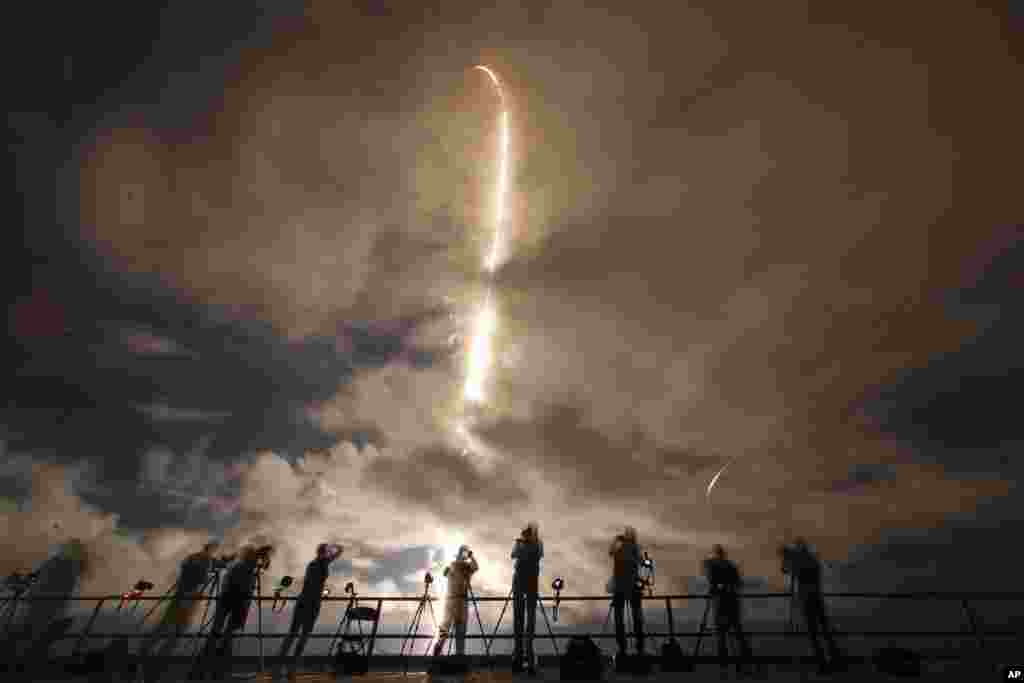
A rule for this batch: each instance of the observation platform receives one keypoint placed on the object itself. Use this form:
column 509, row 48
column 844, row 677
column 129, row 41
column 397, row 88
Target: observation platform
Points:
column 988, row 637
column 391, row 670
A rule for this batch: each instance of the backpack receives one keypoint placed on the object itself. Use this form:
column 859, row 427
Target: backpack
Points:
column 582, row 660
column 673, row 658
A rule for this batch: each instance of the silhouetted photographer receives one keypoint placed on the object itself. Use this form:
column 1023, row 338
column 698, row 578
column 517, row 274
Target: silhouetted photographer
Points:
column 307, row 607
column 724, row 583
column 800, row 562
column 528, row 553
column 186, row 601
column 58, row 579
column 234, row 603
column 625, row 584
column 456, row 610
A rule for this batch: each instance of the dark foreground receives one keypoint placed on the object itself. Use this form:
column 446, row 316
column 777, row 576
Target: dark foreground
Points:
column 973, row 670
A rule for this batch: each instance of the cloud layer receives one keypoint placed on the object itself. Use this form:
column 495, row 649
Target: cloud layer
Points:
column 734, row 233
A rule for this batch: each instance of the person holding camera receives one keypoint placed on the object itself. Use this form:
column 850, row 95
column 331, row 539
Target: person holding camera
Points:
column 802, row 564
column 456, row 611
column 186, row 601
column 307, row 607
column 528, row 553
column 724, row 582
column 625, row 583
column 235, row 600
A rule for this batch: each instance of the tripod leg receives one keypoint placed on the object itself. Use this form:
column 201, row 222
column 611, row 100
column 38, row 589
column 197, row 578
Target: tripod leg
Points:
column 433, row 618
column 337, row 634
column 479, row 621
column 703, row 625
column 608, row 618
column 628, row 616
column 412, row 625
column 544, row 613
column 259, row 614
column 501, row 616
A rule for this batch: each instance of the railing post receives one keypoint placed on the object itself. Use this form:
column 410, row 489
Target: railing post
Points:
column 671, row 619
column 373, row 633
column 259, row 614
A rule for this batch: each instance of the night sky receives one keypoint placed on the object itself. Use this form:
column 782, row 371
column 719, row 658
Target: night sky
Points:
column 249, row 243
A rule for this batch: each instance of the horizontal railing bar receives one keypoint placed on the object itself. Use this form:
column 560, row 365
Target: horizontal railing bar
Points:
column 510, row 636
column 565, row 598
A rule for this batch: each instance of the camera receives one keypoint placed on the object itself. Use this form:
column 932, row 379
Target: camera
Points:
column 222, row 562
column 19, row 582
column 263, row 554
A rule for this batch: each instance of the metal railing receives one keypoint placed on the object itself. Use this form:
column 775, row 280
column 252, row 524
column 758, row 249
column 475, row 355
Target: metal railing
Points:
column 971, row 625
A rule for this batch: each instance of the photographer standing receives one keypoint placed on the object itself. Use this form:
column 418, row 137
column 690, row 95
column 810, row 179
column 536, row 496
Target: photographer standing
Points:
column 800, row 562
column 724, row 582
column 188, row 598
column 307, row 607
column 456, row 611
column 58, row 579
column 235, row 600
column 527, row 552
column 625, row 583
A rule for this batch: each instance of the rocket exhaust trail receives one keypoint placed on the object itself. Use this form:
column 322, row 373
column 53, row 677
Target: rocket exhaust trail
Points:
column 485, row 323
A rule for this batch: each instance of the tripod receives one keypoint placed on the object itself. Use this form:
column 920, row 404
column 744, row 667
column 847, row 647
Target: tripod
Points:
column 628, row 614
column 343, row 624
column 543, row 611
column 414, row 627
column 703, row 627
column 791, row 589
column 212, row 591
column 483, row 634
column 734, row 638
column 9, row 607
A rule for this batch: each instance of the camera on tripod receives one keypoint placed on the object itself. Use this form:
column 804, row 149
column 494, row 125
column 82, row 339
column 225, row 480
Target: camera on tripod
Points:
column 19, row 582
column 135, row 593
column 222, row 562
column 280, row 588
column 263, row 554
column 557, row 585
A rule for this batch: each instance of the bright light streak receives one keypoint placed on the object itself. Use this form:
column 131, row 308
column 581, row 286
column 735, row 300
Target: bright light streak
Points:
column 499, row 220
column 486, row 322
column 714, row 479
column 480, row 356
